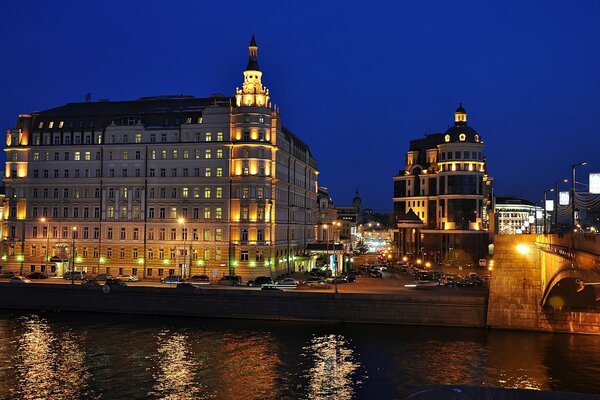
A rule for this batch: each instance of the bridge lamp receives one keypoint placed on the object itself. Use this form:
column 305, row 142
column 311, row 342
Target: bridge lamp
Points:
column 523, row 249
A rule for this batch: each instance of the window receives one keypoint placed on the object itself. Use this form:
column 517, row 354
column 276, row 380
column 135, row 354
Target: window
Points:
column 218, row 234
column 219, row 136
column 260, row 236
column 219, row 193
column 244, row 255
column 185, row 192
column 208, row 153
column 220, row 153
column 219, row 172
column 207, row 193
column 244, row 237
column 245, row 192
column 260, row 191
column 208, row 137
column 206, row 234
column 207, row 172
column 447, row 138
column 206, row 212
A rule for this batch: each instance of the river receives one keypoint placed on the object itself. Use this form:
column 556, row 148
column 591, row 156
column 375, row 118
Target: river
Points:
column 101, row 356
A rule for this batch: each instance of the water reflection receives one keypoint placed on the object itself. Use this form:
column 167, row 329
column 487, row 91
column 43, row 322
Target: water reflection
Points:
column 333, row 368
column 47, row 367
column 250, row 359
column 174, row 370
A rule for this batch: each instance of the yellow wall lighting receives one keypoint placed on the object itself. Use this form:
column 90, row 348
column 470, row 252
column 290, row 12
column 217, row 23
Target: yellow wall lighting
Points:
column 523, row 249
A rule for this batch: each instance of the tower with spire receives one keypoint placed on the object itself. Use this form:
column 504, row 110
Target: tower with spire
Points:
column 252, row 93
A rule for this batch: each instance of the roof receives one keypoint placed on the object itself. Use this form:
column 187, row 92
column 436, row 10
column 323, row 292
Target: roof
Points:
column 460, row 109
column 253, row 41
column 410, row 217
column 142, row 106
column 459, row 128
column 513, row 200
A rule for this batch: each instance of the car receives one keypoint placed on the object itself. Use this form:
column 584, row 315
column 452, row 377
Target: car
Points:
column 186, row 287
column 19, row 279
column 448, row 280
column 230, row 280
column 351, row 277
column 115, row 282
column 199, row 280
column 422, row 284
column 313, row 281
column 7, row 274
column 103, row 277
column 37, row 275
column 375, row 274
column 75, row 275
column 90, row 282
column 260, row 280
column 336, row 280
column 172, row 279
column 128, row 278
column 286, row 283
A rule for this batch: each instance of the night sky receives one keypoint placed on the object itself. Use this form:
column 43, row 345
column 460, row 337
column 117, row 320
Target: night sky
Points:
column 355, row 80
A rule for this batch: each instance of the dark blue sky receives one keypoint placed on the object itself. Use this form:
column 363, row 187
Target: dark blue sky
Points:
column 355, row 80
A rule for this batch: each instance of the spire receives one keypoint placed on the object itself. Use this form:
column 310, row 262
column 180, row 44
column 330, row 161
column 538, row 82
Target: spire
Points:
column 252, row 93
column 252, row 56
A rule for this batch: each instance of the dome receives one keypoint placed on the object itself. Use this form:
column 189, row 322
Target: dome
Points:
column 460, row 109
column 455, row 134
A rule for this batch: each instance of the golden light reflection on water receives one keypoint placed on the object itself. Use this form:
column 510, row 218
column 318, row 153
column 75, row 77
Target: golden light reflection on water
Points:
column 332, row 374
column 251, row 359
column 48, row 367
column 174, row 372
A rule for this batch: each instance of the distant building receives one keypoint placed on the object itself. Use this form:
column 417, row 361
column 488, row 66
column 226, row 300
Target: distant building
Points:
column 160, row 186
column 517, row 216
column 446, row 185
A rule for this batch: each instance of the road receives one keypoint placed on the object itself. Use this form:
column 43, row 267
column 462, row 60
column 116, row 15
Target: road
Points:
column 391, row 283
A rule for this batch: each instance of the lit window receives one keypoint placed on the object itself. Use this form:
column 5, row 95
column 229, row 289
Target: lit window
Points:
column 219, row 172
column 207, row 193
column 447, row 138
column 462, row 137
column 51, row 124
column 477, row 138
column 207, row 153
column 220, row 153
column 208, row 137
column 219, row 136
column 207, row 172
column 207, row 212
column 219, row 193
column 61, row 124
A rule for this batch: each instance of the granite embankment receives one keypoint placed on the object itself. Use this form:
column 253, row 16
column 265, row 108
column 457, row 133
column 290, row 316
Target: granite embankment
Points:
column 420, row 308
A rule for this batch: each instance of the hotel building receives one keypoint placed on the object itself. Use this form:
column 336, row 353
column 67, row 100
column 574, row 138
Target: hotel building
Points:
column 161, row 185
column 442, row 194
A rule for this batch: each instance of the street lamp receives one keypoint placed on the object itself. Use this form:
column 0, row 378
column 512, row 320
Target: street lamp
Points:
column 545, row 218
column 181, row 221
column 72, row 260
column 44, row 220
column 556, row 203
column 573, row 191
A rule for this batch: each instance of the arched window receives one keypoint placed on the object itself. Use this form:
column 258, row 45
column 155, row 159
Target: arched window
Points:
column 447, row 138
column 462, row 137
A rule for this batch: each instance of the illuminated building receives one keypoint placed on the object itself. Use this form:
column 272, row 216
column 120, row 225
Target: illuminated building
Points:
column 156, row 184
column 445, row 184
column 517, row 216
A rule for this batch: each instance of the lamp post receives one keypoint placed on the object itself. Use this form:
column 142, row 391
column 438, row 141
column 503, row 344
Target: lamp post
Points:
column 573, row 192
column 545, row 217
column 326, row 232
column 181, row 221
column 556, row 203
column 73, row 255
column 44, row 220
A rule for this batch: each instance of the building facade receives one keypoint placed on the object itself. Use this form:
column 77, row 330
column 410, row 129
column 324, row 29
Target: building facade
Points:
column 518, row 216
column 161, row 185
column 445, row 183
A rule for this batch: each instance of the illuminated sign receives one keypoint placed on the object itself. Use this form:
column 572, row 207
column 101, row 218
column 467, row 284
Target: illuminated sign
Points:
column 549, row 205
column 595, row 183
column 563, row 198
column 539, row 214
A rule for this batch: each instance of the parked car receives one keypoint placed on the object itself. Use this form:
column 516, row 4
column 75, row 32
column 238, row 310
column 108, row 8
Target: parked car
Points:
column 172, row 279
column 287, row 283
column 351, row 277
column 37, row 275
column 199, row 280
column 90, row 282
column 375, row 274
column 75, row 275
column 128, row 278
column 230, row 280
column 115, row 282
column 103, row 277
column 260, row 280
column 186, row 287
column 336, row 280
column 448, row 280
column 7, row 274
column 313, row 281
column 19, row 279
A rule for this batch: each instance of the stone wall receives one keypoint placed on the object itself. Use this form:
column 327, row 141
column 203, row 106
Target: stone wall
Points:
column 418, row 309
column 517, row 286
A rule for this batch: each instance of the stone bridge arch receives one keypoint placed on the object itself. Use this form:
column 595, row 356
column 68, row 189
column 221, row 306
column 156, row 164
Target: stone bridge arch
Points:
column 561, row 290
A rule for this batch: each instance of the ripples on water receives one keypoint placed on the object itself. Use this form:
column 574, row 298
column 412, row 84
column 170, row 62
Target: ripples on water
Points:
column 79, row 356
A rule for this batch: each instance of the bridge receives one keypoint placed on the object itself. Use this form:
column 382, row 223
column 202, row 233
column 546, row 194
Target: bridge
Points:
column 545, row 282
